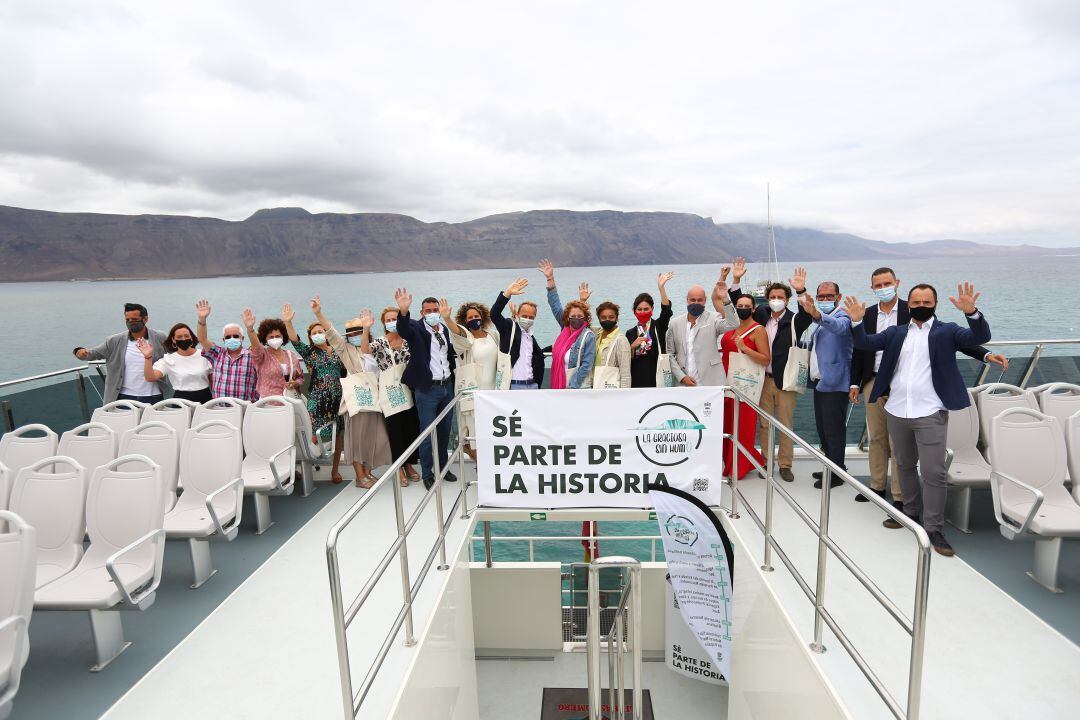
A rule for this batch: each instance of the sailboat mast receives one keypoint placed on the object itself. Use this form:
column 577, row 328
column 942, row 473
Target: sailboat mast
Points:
column 774, row 260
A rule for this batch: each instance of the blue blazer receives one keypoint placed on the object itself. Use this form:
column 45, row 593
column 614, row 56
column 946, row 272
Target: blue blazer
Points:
column 945, row 339
column 833, row 347
column 417, row 373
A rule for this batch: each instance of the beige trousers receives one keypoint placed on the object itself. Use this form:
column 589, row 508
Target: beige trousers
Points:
column 781, row 405
column 880, row 446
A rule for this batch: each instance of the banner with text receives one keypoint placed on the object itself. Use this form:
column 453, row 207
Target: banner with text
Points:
column 597, row 448
column 700, row 566
column 684, row 653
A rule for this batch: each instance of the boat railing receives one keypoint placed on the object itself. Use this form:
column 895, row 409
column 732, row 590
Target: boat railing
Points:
column 79, row 374
column 345, row 613
column 914, row 626
column 627, row 615
column 1038, row 347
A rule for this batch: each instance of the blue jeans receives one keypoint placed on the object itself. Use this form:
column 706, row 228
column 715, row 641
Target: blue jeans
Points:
column 528, row 386
column 429, row 403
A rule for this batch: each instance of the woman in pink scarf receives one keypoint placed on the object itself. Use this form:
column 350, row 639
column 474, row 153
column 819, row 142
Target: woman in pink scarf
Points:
column 574, row 352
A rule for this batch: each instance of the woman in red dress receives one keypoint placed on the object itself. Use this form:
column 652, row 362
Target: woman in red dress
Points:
column 745, row 339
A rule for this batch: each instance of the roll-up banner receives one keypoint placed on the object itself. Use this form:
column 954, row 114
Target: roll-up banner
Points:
column 700, row 564
column 597, row 448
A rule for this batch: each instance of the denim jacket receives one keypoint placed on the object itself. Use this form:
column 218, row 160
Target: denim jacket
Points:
column 582, row 353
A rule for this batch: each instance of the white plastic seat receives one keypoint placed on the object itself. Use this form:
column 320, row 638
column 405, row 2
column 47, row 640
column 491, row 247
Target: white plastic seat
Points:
column 270, row 454
column 231, row 410
column 91, row 444
column 125, row 510
column 17, row 550
column 174, row 412
column 995, row 398
column 966, row 467
column 1072, row 448
column 19, row 449
column 311, row 453
column 1027, row 453
column 161, row 443
column 120, row 415
column 1060, row 400
column 50, row 495
column 213, row 498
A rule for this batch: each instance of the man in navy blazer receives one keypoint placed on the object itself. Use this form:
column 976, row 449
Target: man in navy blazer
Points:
column 526, row 356
column 430, row 375
column 919, row 375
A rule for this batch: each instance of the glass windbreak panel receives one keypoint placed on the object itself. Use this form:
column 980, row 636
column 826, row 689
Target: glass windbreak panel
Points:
column 54, row 402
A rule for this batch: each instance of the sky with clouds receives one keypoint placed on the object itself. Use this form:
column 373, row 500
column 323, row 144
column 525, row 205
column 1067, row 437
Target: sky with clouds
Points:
column 897, row 121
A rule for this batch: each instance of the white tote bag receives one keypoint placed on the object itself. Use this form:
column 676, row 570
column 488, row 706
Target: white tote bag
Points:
column 797, row 369
column 394, row 395
column 467, row 380
column 606, row 377
column 360, row 392
column 744, row 374
column 504, row 366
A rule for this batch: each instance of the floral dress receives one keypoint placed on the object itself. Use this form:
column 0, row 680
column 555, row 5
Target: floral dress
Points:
column 387, row 356
column 324, row 396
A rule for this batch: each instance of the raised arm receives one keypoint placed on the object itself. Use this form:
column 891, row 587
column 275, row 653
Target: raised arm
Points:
column 860, row 338
column 95, row 353
column 287, row 315
column 515, row 288
column 411, row 328
column 661, row 285
column 147, row 350
column 202, row 312
column 257, row 348
column 978, row 330
column 366, row 319
column 448, row 318
column 555, row 304
column 333, row 337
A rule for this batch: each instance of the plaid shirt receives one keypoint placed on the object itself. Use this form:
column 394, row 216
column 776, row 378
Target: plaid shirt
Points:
column 231, row 378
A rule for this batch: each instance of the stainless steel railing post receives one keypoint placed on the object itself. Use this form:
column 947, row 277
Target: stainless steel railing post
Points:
column 617, row 693
column 1030, row 369
column 487, row 543
column 80, row 388
column 734, row 477
column 437, row 489
column 403, row 556
column 341, row 641
column 461, row 467
column 592, row 646
column 822, row 556
column 769, row 490
column 635, row 640
column 918, row 634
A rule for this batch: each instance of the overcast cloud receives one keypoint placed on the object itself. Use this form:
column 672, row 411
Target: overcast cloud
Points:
column 898, row 121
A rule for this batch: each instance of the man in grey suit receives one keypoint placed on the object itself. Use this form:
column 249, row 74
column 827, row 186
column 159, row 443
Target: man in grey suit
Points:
column 692, row 338
column 124, row 379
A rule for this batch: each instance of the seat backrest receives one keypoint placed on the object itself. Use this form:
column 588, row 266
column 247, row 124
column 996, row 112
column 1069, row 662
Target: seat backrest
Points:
column 161, row 443
column 300, row 413
column 1072, row 446
column 120, row 415
column 18, row 566
column 962, row 436
column 1060, row 400
column 21, row 448
column 230, row 410
column 175, row 413
column 50, row 495
column 124, row 505
column 994, row 399
column 269, row 426
column 1029, row 446
column 90, row 444
column 210, row 456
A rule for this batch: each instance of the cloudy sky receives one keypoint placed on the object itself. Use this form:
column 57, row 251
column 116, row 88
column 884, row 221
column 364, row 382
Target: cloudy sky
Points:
column 895, row 120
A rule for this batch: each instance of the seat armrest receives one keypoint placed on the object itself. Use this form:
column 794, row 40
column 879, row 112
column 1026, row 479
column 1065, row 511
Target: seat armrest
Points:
column 158, row 538
column 996, row 477
column 11, row 686
column 278, row 482
column 333, row 438
column 949, row 455
column 237, row 486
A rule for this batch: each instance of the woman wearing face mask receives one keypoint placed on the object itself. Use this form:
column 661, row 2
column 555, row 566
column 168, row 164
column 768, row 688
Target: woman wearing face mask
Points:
column 647, row 338
column 612, row 347
column 324, row 395
column 748, row 338
column 277, row 368
column 185, row 368
column 402, row 427
column 366, row 443
column 574, row 351
column 475, row 340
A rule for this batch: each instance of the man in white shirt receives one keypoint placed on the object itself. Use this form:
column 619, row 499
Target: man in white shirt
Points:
column 692, row 338
column 919, row 375
column 124, row 378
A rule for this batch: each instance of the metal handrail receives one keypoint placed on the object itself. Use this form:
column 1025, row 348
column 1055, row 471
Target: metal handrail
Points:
column 915, row 627
column 631, row 591
column 489, row 540
column 410, row 587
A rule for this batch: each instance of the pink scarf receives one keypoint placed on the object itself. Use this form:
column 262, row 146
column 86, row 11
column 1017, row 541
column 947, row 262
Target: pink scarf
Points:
column 562, row 345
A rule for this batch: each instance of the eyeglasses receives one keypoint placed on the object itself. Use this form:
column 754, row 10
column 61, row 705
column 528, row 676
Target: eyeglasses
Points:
column 826, row 297
column 232, row 337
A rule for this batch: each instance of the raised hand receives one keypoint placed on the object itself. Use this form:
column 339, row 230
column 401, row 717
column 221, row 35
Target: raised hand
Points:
column 738, row 269
column 366, row 318
column 855, row 309
column 808, row 305
column 516, row 288
column 584, row 293
column 444, row 309
column 403, row 299
column 798, row 280
column 316, row 305
column 965, row 299
column 287, row 313
column 202, row 310
column 547, row 268
column 720, row 290
column 145, row 348
column 249, row 319
column 663, row 278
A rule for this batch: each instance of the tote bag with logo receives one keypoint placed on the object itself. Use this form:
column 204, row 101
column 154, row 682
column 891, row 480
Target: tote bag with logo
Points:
column 504, row 367
column 360, row 392
column 607, row 377
column 467, row 380
column 744, row 374
column 797, row 369
column 394, row 395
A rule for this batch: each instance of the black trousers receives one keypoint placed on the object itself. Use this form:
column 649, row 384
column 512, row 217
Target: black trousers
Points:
column 830, row 415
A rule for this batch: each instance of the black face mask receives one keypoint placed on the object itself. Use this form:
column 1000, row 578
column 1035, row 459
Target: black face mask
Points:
column 135, row 325
column 609, row 325
column 184, row 344
column 473, row 324
column 922, row 313
column 744, row 313
column 695, row 309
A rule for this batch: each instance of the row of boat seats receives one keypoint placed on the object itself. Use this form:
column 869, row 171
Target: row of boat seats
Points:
column 1029, row 456
column 18, row 551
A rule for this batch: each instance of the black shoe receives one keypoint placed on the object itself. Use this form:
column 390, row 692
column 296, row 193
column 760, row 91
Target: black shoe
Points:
column 428, row 482
column 450, row 477
column 941, row 545
column 898, row 504
column 834, row 482
column 786, row 475
column 861, row 498
column 894, row 524
column 817, row 476
column 880, row 493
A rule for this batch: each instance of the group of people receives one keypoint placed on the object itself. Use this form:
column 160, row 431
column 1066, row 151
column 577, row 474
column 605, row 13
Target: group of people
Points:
column 895, row 353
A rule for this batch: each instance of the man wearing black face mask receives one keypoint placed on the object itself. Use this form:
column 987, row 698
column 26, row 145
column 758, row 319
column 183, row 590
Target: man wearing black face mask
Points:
column 920, row 377
column 692, row 338
column 124, row 361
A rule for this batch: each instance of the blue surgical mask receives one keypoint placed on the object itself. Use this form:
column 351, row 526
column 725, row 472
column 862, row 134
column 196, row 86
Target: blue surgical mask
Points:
column 695, row 309
column 234, row 344
column 886, row 294
column 825, row 306
column 432, row 319
column 356, row 340
column 391, row 327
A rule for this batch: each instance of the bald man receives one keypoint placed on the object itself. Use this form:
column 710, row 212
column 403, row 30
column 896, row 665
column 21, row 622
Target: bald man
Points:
column 692, row 338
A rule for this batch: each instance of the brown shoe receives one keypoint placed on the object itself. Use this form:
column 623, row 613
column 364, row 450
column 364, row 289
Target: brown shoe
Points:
column 893, row 524
column 786, row 475
column 941, row 545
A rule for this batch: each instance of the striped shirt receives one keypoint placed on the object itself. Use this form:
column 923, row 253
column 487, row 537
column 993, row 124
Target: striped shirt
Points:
column 234, row 378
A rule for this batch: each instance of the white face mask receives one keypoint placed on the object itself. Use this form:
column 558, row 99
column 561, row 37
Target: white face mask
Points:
column 776, row 304
column 318, row 338
column 275, row 343
column 526, row 323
